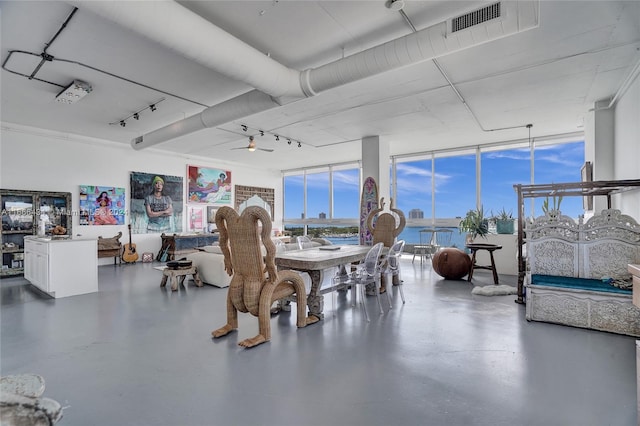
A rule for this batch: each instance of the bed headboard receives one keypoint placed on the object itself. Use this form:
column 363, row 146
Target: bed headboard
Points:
column 601, row 247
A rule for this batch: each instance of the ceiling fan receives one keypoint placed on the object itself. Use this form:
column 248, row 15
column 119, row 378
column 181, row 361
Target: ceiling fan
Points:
column 252, row 146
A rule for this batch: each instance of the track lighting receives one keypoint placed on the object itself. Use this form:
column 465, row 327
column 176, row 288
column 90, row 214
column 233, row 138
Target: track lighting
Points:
column 261, row 132
column 136, row 115
column 244, row 128
column 277, row 138
column 289, row 141
column 299, row 144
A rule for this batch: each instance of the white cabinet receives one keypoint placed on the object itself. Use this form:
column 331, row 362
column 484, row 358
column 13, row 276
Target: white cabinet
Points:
column 61, row 268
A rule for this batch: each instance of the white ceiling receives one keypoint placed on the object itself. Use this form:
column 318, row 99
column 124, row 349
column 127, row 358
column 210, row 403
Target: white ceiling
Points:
column 549, row 76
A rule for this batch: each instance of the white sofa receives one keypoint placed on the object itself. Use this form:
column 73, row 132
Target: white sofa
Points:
column 210, row 263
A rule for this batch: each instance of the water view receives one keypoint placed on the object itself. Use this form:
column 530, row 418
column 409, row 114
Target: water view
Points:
column 411, row 235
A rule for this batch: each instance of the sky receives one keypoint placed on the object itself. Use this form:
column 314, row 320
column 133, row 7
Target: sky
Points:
column 454, row 178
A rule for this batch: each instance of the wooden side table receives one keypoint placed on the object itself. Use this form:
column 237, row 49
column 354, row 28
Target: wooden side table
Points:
column 474, row 247
column 180, row 274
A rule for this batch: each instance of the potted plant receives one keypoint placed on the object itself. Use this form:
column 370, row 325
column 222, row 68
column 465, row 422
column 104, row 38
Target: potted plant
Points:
column 505, row 223
column 474, row 224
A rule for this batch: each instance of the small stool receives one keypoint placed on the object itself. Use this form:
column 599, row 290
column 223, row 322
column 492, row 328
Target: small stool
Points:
column 474, row 247
column 181, row 273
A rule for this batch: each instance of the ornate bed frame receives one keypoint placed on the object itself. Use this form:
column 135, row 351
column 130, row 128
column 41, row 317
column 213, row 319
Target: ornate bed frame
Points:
column 577, row 272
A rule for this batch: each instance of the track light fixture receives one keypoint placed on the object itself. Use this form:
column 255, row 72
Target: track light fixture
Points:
column 136, row 115
column 262, row 132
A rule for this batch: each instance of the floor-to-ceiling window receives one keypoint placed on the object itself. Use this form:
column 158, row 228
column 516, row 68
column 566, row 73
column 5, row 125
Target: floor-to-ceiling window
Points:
column 323, row 202
column 435, row 188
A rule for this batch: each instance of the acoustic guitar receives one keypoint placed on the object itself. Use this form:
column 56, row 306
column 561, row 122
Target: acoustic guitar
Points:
column 129, row 253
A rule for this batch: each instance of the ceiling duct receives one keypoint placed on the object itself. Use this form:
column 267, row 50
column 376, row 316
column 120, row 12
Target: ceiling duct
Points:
column 176, row 27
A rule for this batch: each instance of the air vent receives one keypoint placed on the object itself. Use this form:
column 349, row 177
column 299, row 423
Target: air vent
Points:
column 476, row 17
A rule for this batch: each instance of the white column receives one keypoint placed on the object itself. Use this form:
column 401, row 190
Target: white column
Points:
column 375, row 163
column 599, row 137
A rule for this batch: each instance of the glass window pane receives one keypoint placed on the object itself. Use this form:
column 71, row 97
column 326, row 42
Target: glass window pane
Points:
column 455, row 185
column 414, row 189
column 557, row 164
column 317, row 195
column 346, row 194
column 293, row 197
column 500, row 171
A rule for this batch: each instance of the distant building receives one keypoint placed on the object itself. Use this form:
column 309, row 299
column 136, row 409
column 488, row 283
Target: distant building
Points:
column 301, row 215
column 416, row 214
column 322, row 215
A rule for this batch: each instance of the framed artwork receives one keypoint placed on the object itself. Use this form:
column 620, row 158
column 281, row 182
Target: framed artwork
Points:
column 101, row 205
column 586, row 172
column 156, row 203
column 196, row 219
column 207, row 185
column 254, row 196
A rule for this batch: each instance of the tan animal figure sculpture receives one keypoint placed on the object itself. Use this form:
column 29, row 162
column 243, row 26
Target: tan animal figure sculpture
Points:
column 255, row 282
column 385, row 230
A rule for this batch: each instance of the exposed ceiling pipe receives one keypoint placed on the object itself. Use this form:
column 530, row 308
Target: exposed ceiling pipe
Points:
column 176, row 27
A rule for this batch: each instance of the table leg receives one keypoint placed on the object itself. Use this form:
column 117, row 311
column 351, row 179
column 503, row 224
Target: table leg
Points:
column 315, row 300
column 196, row 278
column 164, row 280
column 174, row 282
column 493, row 268
column 473, row 263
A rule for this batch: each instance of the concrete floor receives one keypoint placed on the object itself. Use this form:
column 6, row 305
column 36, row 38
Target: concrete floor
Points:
column 138, row 354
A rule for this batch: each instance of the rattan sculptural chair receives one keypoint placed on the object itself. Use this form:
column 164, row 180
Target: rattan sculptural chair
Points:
column 385, row 229
column 255, row 282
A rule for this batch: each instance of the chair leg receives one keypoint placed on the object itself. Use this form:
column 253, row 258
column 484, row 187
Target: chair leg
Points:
column 378, row 286
column 363, row 300
column 389, row 277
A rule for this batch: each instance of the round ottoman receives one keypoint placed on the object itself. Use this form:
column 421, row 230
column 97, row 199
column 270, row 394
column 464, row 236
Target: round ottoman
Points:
column 451, row 263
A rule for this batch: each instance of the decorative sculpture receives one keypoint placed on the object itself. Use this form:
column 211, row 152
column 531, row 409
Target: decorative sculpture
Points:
column 255, row 282
column 385, row 230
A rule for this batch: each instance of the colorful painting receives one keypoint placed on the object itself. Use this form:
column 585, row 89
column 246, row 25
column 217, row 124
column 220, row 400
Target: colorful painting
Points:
column 211, row 186
column 102, row 205
column 196, row 219
column 156, row 203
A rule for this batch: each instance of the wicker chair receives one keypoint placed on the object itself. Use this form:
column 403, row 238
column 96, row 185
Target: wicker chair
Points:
column 255, row 282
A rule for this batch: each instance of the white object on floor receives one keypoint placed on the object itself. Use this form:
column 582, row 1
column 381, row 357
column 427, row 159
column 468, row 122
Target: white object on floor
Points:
column 494, row 290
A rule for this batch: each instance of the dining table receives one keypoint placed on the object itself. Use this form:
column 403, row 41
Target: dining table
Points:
column 314, row 261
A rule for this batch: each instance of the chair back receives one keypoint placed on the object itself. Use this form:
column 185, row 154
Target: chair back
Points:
column 426, row 237
column 394, row 253
column 303, row 242
column 443, row 237
column 372, row 260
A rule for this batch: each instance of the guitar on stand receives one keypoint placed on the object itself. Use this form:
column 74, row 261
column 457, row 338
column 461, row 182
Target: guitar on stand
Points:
column 129, row 253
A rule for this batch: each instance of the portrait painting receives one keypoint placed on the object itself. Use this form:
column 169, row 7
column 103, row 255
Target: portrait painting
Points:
column 208, row 185
column 102, row 205
column 156, row 203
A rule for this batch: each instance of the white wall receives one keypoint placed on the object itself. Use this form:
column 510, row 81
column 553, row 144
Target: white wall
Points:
column 627, row 146
column 41, row 160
